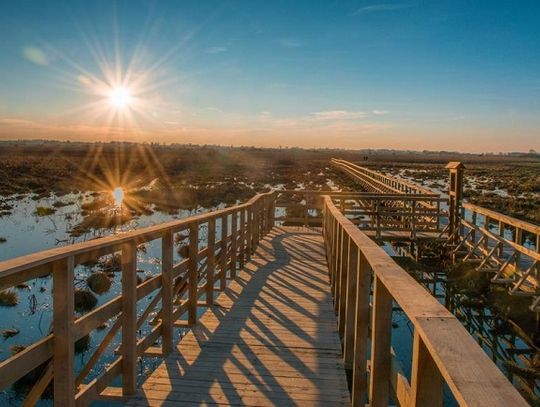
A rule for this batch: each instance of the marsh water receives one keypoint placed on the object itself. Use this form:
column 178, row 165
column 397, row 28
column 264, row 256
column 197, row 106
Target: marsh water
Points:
column 502, row 325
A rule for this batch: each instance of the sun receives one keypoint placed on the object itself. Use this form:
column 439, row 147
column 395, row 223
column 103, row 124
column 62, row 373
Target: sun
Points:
column 120, row 97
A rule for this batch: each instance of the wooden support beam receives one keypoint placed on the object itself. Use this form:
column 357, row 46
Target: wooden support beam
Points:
column 63, row 338
column 224, row 249
column 167, row 287
column 129, row 317
column 361, row 327
column 381, row 358
column 193, row 272
column 210, row 263
column 350, row 308
column 427, row 384
column 234, row 244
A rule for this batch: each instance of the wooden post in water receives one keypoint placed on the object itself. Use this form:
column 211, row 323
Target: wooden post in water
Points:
column 167, row 287
column 455, row 194
column 129, row 318
column 63, row 342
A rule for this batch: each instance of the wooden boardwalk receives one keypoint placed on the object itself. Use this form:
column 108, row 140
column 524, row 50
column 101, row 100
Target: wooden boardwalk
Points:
column 270, row 339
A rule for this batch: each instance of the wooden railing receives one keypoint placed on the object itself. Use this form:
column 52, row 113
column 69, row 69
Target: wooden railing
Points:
column 379, row 212
column 443, row 351
column 505, row 247
column 374, row 181
column 176, row 291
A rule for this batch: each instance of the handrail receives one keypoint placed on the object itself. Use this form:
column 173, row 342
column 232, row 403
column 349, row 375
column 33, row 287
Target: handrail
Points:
column 386, row 183
column 508, row 220
column 180, row 286
column 443, row 351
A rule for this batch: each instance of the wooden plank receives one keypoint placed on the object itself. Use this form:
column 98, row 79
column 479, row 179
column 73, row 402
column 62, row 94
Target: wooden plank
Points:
column 193, row 272
column 269, row 339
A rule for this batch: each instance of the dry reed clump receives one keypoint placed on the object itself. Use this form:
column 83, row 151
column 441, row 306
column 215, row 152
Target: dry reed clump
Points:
column 44, row 211
column 183, row 251
column 99, row 282
column 9, row 298
column 111, row 264
column 85, row 300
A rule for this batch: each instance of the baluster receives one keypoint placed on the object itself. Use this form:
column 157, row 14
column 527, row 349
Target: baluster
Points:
column 234, row 244
column 167, row 286
column 242, row 251
column 249, row 232
column 306, row 210
column 193, row 272
column 223, row 253
column 339, row 259
column 63, row 338
column 427, row 384
column 381, row 332
column 363, row 290
column 129, row 318
column 343, row 282
column 350, row 307
column 210, row 262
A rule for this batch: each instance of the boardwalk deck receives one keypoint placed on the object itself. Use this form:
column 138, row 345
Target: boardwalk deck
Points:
column 270, row 339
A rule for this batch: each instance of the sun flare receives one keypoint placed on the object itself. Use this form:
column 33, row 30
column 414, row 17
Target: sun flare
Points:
column 120, row 97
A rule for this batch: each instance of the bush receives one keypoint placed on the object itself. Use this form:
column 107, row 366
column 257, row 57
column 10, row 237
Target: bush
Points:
column 84, row 300
column 9, row 298
column 44, row 211
column 99, row 282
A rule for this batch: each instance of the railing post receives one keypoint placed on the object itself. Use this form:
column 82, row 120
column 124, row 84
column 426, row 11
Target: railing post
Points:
column 210, row 262
column 63, row 340
column 129, row 318
column 381, row 331
column 427, row 384
column 339, row 259
column 193, row 272
column 249, row 233
column 378, row 218
column 306, row 210
column 350, row 305
column 223, row 253
column 273, row 211
column 167, row 292
column 242, row 250
column 363, row 290
column 234, row 243
column 343, row 282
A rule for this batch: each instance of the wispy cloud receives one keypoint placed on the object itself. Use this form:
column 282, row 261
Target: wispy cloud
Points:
column 374, row 8
column 338, row 115
column 379, row 112
column 291, row 43
column 215, row 50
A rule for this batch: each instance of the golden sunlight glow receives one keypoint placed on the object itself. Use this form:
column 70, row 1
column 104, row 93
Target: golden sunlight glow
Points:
column 119, row 97
column 118, row 195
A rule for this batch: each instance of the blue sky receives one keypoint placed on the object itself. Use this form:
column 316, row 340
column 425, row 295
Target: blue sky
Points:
column 455, row 75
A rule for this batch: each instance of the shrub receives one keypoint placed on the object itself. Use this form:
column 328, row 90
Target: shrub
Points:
column 9, row 298
column 99, row 282
column 44, row 211
column 84, row 300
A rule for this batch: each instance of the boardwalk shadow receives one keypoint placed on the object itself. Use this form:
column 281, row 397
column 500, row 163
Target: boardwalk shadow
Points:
column 271, row 338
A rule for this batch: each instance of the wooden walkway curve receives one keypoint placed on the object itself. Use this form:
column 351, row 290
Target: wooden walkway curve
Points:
column 270, row 339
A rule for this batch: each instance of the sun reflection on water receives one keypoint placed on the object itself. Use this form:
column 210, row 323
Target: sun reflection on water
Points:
column 118, row 195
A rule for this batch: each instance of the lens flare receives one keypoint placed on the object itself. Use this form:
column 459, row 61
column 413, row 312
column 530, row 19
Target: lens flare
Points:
column 118, row 196
column 120, row 97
